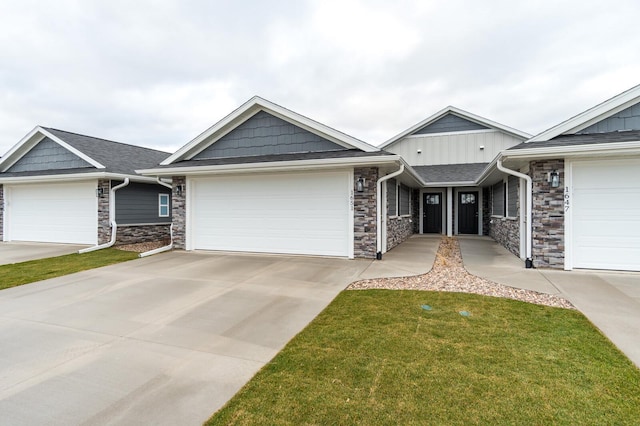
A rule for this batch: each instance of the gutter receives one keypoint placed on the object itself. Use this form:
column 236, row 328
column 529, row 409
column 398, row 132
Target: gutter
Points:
column 112, row 220
column 528, row 239
column 167, row 247
column 379, row 209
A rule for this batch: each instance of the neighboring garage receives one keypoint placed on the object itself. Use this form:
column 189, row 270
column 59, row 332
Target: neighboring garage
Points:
column 293, row 213
column 51, row 212
column 605, row 218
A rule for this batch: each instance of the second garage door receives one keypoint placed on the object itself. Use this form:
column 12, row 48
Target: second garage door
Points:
column 606, row 214
column 52, row 213
column 297, row 213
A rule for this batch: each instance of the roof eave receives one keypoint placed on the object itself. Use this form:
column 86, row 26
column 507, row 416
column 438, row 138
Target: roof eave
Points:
column 73, row 177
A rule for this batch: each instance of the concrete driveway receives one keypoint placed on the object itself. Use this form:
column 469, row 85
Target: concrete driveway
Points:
column 162, row 340
column 14, row 252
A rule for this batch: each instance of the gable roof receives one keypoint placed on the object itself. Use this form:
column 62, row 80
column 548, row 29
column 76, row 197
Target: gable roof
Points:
column 461, row 114
column 592, row 115
column 102, row 155
column 248, row 110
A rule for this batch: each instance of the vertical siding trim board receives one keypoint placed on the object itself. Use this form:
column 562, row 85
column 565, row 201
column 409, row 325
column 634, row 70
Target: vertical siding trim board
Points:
column 548, row 215
column 364, row 214
column 1, row 212
column 104, row 224
column 179, row 212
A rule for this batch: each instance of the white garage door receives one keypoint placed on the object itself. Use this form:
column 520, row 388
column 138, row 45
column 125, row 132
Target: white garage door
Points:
column 301, row 213
column 606, row 215
column 55, row 213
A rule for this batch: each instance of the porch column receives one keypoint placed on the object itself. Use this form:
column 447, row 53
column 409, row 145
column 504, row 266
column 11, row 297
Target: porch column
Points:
column 450, row 217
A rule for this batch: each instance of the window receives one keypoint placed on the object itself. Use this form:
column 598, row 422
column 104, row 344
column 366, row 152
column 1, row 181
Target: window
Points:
column 498, row 199
column 432, row 199
column 404, row 200
column 163, row 205
column 392, row 200
column 512, row 196
column 468, row 198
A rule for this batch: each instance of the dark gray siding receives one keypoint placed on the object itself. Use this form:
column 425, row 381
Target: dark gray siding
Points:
column 627, row 119
column 512, row 196
column 48, row 155
column 137, row 203
column 392, row 200
column 449, row 123
column 264, row 134
column 497, row 199
column 404, row 200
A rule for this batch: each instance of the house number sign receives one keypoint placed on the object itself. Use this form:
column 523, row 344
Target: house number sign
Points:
column 567, row 199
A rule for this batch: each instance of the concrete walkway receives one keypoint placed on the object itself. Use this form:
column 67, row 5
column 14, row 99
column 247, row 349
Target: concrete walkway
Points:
column 14, row 252
column 415, row 256
column 611, row 300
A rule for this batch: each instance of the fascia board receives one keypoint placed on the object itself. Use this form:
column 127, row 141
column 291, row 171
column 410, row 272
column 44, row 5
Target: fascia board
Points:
column 18, row 150
column 572, row 150
column 597, row 112
column 276, row 165
column 68, row 147
column 440, row 184
column 74, row 177
column 249, row 108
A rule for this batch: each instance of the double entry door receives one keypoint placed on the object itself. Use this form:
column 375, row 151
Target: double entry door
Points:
column 467, row 212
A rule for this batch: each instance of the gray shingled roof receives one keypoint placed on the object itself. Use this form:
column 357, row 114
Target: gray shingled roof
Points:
column 445, row 173
column 578, row 139
column 350, row 153
column 117, row 157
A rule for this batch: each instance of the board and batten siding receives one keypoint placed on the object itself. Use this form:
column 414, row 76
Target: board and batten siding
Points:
column 137, row 203
column 453, row 148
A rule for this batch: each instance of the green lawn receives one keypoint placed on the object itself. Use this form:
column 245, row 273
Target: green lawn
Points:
column 42, row 269
column 376, row 357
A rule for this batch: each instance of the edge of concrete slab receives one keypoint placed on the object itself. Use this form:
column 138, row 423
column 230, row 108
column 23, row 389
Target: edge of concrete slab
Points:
column 414, row 256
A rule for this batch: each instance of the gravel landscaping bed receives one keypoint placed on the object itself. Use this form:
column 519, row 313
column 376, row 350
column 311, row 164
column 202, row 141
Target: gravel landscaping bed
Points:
column 448, row 274
column 141, row 247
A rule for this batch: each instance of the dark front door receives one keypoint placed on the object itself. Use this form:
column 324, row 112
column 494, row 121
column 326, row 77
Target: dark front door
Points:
column 432, row 213
column 468, row 212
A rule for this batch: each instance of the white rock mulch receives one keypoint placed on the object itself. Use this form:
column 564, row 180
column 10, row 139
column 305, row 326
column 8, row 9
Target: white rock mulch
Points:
column 448, row 274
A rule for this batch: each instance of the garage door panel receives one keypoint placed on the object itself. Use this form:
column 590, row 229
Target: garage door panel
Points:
column 58, row 213
column 302, row 213
column 606, row 215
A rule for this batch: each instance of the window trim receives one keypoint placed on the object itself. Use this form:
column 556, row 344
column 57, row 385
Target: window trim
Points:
column 166, row 204
column 408, row 214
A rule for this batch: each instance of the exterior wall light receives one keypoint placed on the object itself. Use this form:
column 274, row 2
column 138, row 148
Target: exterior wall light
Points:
column 553, row 178
column 179, row 189
column 99, row 192
column 360, row 185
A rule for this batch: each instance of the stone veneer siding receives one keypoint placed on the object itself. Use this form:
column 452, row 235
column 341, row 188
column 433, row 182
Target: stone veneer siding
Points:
column 548, row 215
column 1, row 212
column 178, row 211
column 131, row 234
column 104, row 227
column 486, row 211
column 505, row 231
column 364, row 213
column 401, row 228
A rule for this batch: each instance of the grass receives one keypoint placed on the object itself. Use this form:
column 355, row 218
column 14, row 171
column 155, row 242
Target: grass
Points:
column 36, row 270
column 376, row 357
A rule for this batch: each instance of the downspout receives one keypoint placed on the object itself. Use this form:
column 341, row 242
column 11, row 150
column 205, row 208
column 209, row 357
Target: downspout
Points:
column 528, row 245
column 167, row 247
column 112, row 219
column 379, row 209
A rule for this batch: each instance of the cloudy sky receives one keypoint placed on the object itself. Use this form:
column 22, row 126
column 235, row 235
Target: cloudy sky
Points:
column 157, row 73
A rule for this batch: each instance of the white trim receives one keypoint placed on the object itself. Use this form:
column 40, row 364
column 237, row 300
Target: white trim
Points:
column 188, row 211
column 65, row 145
column 351, row 210
column 522, row 207
column 161, row 204
column 74, row 176
column 460, row 132
column 592, row 115
column 450, row 218
column 568, row 215
column 573, row 150
column 385, row 214
column 461, row 114
column 247, row 110
column 275, row 165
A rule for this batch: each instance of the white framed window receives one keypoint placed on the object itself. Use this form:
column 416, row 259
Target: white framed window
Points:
column 404, row 201
column 498, row 199
column 163, row 205
column 392, row 197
